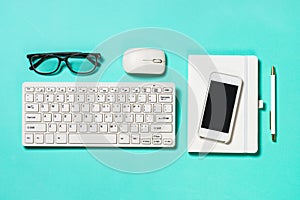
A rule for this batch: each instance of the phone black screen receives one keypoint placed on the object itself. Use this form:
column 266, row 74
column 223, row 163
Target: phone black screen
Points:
column 219, row 106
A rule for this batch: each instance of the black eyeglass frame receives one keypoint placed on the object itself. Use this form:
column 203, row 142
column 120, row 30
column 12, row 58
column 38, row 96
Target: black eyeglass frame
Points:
column 63, row 57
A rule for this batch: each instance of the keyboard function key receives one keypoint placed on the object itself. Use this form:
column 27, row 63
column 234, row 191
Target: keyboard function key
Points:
column 71, row 89
column 61, row 89
column 167, row 90
column 50, row 89
column 82, row 89
column 29, row 89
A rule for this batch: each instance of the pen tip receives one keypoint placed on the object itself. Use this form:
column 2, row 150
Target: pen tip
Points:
column 273, row 70
column 273, row 137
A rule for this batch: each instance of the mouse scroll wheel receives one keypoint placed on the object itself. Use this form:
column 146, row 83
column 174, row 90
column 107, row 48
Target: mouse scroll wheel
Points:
column 157, row 60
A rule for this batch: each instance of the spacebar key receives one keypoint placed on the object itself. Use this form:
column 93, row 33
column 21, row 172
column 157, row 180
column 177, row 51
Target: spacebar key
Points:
column 92, row 138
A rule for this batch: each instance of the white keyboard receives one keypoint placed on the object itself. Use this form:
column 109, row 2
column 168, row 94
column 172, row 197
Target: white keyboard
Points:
column 98, row 114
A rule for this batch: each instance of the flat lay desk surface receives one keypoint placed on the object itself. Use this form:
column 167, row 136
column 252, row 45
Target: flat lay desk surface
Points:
column 268, row 29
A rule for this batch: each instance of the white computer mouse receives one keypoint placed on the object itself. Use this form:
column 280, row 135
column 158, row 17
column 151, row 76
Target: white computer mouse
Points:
column 144, row 61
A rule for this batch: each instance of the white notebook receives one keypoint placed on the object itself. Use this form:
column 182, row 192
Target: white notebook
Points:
column 245, row 132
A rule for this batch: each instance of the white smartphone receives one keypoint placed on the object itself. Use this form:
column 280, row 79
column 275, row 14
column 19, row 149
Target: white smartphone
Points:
column 220, row 108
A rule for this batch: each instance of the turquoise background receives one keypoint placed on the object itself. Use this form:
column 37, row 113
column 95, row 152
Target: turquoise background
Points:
column 268, row 29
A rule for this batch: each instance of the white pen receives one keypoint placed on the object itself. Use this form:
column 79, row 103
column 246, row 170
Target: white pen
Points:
column 273, row 105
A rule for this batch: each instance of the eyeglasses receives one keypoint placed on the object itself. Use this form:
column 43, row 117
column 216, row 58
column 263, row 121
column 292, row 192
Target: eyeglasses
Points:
column 77, row 62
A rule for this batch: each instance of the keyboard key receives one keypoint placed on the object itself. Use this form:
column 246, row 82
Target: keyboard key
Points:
column 82, row 128
column 71, row 89
column 39, row 97
column 31, row 107
column 139, row 118
column 70, row 98
column 103, row 128
column 93, row 138
column 103, row 90
column 142, row 98
column 136, row 108
column 152, row 98
column 126, row 108
column 29, row 138
column 82, row 89
column 144, row 128
column 57, row 117
column 147, row 108
column 113, row 128
column 123, row 138
column 60, row 98
column 124, row 128
column 29, row 97
column 156, row 89
column 165, row 98
column 49, row 97
column 35, row 127
column 146, row 141
column 29, row 89
column 62, row 128
column 96, row 107
column 111, row 98
column 98, row 117
column 90, row 98
column 135, row 138
column 160, row 128
column 39, row 138
column 85, row 107
column 52, row 127
column 54, row 107
column 116, row 108
column 47, row 117
column 168, row 108
column 167, row 90
column 61, row 89
column 40, row 89
column 163, row 118
column 157, row 108
column 149, row 118
column 61, row 138
column 168, row 141
column 49, row 138
column 44, row 107
column 93, row 128
column 156, row 141
column 50, row 89
column 72, row 128
column 33, row 117
column 134, row 128
column 65, row 107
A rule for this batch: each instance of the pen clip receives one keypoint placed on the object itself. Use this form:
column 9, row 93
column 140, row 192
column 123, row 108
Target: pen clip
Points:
column 270, row 120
